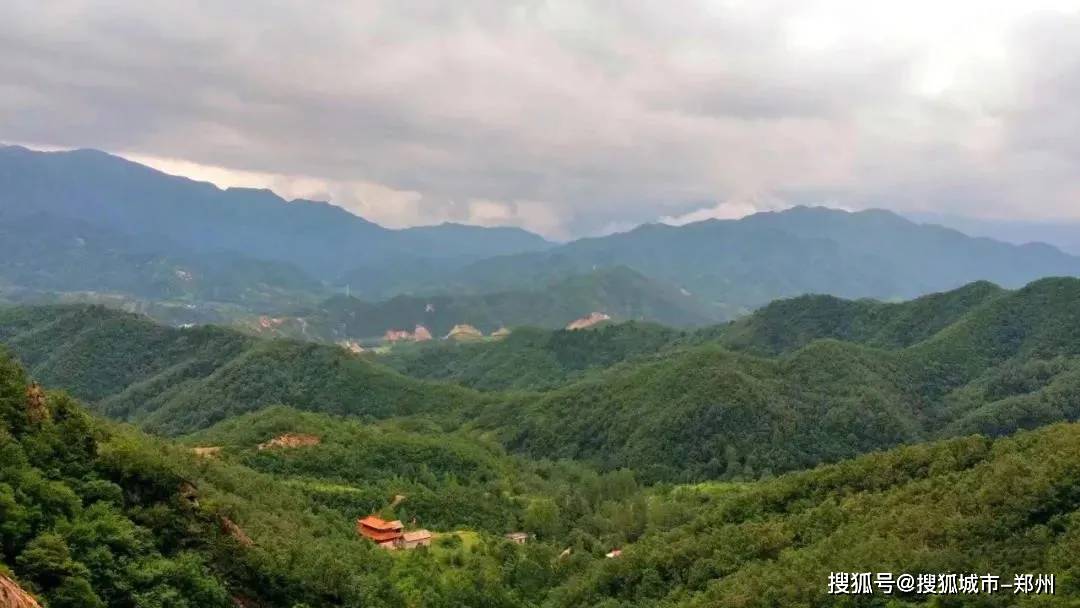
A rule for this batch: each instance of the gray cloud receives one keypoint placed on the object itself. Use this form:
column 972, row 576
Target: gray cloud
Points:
column 570, row 117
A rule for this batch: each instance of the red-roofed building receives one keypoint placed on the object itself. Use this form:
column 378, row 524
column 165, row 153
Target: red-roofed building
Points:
column 383, row 532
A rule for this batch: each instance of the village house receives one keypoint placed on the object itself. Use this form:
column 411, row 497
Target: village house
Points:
column 391, row 534
column 519, row 538
column 383, row 533
column 414, row 539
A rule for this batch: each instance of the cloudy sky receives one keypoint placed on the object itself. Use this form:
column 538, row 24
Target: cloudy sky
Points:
column 568, row 117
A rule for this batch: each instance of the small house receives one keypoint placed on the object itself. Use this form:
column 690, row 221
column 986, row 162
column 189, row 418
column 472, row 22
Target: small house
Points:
column 414, row 539
column 383, row 533
column 519, row 538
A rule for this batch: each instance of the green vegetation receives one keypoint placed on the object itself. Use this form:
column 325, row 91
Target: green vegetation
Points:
column 531, row 358
column 619, row 292
column 100, row 515
column 787, row 325
column 1008, row 363
column 178, row 380
column 964, row 505
column 46, row 256
column 847, row 378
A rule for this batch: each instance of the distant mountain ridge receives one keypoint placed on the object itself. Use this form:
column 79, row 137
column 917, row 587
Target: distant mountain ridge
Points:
column 743, row 264
column 322, row 239
column 732, row 266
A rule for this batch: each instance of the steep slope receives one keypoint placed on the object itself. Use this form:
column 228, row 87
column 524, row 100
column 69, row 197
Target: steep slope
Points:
column 962, row 506
column 743, row 264
column 96, row 515
column 72, row 529
column 175, row 380
column 132, row 199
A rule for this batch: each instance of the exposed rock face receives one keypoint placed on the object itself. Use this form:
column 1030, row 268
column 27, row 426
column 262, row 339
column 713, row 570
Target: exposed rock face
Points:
column 464, row 332
column 500, row 333
column 397, row 335
column 352, row 346
column 290, row 440
column 229, row 527
column 589, row 321
column 207, row 452
column 421, row 334
column 13, row 596
column 37, row 410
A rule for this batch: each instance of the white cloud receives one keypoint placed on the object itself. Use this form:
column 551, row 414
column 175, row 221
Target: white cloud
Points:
column 569, row 117
column 728, row 210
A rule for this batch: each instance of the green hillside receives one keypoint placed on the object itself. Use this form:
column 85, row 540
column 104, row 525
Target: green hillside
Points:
column 176, row 380
column 620, row 292
column 97, row 515
column 966, row 505
column 786, row 325
column 1008, row 363
column 532, row 358
column 675, row 407
column 446, row 481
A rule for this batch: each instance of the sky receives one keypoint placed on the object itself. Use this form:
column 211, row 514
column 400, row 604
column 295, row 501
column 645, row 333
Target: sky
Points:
column 569, row 118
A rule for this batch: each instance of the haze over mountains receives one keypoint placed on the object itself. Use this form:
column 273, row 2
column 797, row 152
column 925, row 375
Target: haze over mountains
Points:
column 89, row 223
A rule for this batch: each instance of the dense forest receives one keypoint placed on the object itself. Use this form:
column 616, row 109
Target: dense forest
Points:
column 96, row 514
column 177, row 380
column 802, row 382
column 734, row 465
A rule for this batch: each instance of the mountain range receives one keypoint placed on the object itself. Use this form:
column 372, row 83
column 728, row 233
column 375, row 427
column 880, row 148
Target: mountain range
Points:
column 86, row 221
column 173, row 214
column 730, row 402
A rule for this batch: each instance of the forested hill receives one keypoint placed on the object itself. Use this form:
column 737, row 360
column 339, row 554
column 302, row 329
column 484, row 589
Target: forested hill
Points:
column 618, row 292
column 1010, row 362
column 788, row 324
column 532, row 358
column 175, row 380
column 743, row 264
column 97, row 515
column 967, row 505
column 700, row 410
